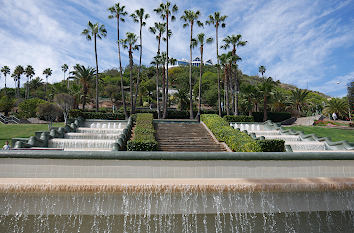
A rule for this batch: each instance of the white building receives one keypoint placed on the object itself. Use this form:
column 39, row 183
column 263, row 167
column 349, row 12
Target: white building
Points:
column 195, row 62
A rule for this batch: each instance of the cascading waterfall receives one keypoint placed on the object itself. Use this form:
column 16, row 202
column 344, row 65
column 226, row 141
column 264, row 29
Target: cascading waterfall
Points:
column 94, row 136
column 294, row 141
column 153, row 208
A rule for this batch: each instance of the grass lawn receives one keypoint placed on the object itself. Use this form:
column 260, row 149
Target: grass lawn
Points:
column 333, row 134
column 21, row 131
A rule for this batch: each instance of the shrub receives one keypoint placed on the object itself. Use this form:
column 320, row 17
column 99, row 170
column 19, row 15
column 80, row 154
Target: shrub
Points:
column 6, row 104
column 236, row 140
column 240, row 118
column 74, row 113
column 28, row 108
column 272, row 145
column 273, row 116
column 49, row 112
column 144, row 138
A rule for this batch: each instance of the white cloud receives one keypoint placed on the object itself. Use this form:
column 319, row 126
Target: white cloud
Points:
column 295, row 40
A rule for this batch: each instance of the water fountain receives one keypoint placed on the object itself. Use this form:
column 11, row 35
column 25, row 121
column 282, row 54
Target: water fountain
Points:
column 95, row 135
column 295, row 141
column 120, row 191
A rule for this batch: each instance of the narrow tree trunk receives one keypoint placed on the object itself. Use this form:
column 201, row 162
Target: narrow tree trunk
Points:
column 163, row 88
column 139, row 72
column 121, row 73
column 217, row 56
column 157, row 91
column 131, row 79
column 96, row 76
column 166, row 94
column 157, row 81
column 18, row 88
column 190, row 76
column 46, row 84
column 84, row 102
column 227, row 104
column 5, row 85
column 200, row 81
column 265, row 117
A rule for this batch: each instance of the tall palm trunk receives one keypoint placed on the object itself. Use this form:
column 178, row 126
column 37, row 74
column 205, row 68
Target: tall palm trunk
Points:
column 163, row 86
column 217, row 55
column 96, row 75
column 27, row 88
column 157, row 91
column 131, row 78
column 139, row 72
column 5, row 85
column 46, row 85
column 227, row 104
column 265, row 116
column 237, row 90
column 84, row 101
column 190, row 76
column 121, row 74
column 18, row 87
column 200, row 81
column 165, row 104
column 157, row 80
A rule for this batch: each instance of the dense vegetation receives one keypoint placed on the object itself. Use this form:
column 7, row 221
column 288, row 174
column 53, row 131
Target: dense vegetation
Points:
column 222, row 87
column 144, row 134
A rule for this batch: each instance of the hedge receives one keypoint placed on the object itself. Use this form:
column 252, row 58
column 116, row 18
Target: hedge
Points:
column 236, row 140
column 96, row 115
column 272, row 145
column 144, row 138
column 240, row 118
column 273, row 116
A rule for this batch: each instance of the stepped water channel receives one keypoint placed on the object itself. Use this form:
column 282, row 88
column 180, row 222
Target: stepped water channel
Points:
column 95, row 135
column 294, row 141
column 169, row 191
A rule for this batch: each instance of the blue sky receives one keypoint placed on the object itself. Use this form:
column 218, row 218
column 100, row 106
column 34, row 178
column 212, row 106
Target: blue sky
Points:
column 303, row 42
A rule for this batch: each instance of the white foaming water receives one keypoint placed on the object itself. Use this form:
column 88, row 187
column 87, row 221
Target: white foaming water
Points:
column 107, row 125
column 91, row 136
column 80, row 143
column 99, row 130
column 167, row 211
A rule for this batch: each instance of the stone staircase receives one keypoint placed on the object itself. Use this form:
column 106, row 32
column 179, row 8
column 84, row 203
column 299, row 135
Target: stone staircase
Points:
column 186, row 137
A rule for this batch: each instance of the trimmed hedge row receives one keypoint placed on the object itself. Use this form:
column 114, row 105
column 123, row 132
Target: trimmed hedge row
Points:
column 236, row 140
column 272, row 145
column 96, row 115
column 144, row 138
column 240, row 118
column 273, row 116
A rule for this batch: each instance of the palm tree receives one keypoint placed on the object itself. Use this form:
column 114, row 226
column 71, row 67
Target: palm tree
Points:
column 297, row 99
column 119, row 12
column 249, row 91
column 65, row 68
column 339, row 106
column 157, row 60
column 5, row 70
column 17, row 78
column 47, row 72
column 84, row 76
column 266, row 87
column 166, row 11
column 190, row 17
column 29, row 71
column 217, row 20
column 96, row 31
column 262, row 70
column 158, row 30
column 201, row 41
column 130, row 43
column 139, row 16
column 235, row 41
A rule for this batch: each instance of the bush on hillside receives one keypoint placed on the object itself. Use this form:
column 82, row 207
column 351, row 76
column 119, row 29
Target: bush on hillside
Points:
column 240, row 118
column 28, row 108
column 144, row 134
column 236, row 140
column 272, row 145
